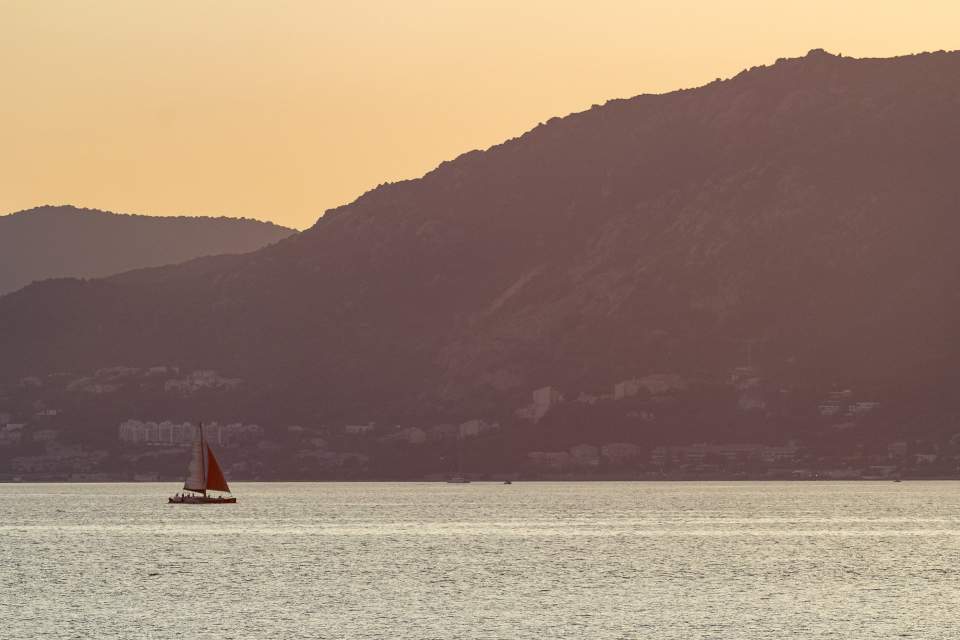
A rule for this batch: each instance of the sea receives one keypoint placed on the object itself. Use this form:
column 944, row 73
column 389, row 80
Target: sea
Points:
column 657, row 560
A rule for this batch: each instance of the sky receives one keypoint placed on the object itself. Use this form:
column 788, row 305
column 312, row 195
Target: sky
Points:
column 282, row 109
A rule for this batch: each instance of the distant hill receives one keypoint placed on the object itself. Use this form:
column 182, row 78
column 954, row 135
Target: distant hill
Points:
column 48, row 242
column 809, row 208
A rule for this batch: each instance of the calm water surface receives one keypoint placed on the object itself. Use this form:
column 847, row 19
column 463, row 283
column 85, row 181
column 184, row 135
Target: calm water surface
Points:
column 530, row 560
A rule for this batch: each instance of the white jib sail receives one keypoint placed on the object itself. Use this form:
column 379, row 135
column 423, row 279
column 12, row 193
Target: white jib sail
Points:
column 195, row 480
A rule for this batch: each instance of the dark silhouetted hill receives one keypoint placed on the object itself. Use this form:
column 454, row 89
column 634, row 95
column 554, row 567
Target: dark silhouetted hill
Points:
column 811, row 206
column 50, row 242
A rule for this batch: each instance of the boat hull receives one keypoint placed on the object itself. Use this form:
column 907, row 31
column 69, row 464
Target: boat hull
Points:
column 201, row 500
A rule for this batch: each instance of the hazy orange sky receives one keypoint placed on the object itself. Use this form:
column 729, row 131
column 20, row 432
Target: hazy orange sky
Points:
column 281, row 109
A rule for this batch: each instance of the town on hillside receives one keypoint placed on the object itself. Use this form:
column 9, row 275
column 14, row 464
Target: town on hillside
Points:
column 135, row 424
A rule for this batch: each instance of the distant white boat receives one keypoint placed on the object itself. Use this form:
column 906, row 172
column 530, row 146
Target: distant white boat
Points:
column 203, row 475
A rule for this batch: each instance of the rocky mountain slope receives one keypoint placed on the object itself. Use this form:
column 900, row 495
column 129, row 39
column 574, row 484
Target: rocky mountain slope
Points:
column 49, row 242
column 809, row 207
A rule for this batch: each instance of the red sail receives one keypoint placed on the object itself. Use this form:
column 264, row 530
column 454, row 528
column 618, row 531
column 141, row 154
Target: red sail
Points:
column 215, row 479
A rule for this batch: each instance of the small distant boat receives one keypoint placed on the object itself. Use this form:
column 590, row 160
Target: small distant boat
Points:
column 508, row 482
column 204, row 475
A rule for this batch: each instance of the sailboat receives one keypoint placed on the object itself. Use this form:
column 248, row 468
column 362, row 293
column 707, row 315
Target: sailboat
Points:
column 204, row 475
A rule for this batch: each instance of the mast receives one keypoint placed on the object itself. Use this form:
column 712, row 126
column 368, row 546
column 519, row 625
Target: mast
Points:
column 203, row 460
column 459, row 453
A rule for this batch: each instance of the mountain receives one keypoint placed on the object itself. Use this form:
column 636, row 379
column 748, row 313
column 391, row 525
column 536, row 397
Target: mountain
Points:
column 808, row 208
column 50, row 242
